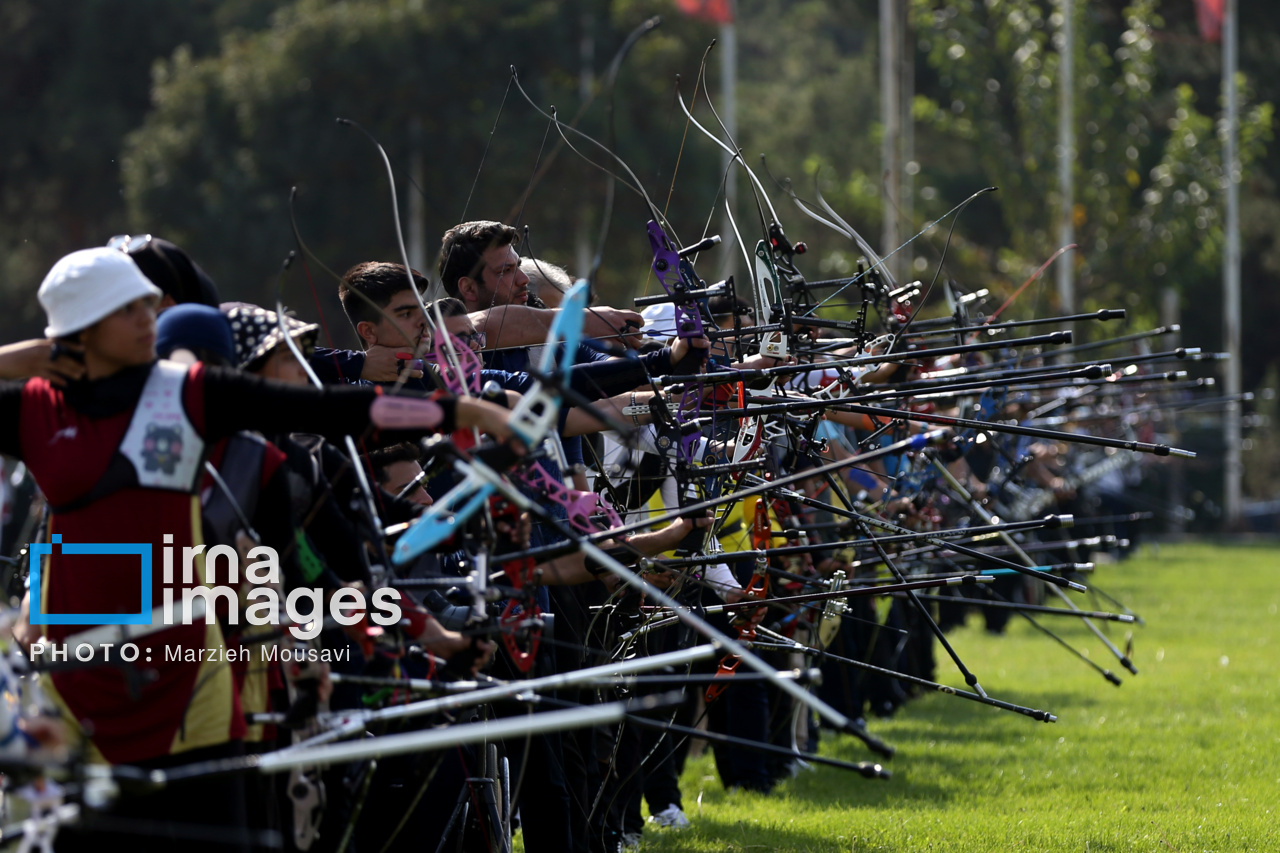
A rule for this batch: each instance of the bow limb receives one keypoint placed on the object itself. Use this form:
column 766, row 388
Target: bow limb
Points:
column 611, row 81
column 370, row 504
column 540, row 172
column 875, row 259
column 531, row 420
column 757, row 189
column 737, row 236
column 734, row 156
column 805, row 208
column 434, row 320
column 773, row 234
column 634, row 184
column 880, row 265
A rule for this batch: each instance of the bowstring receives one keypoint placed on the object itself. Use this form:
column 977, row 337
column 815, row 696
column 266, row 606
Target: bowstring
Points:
column 485, row 154
column 524, row 198
column 437, row 325
column 635, row 184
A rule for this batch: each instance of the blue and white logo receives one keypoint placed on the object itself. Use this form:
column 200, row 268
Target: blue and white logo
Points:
column 141, row 549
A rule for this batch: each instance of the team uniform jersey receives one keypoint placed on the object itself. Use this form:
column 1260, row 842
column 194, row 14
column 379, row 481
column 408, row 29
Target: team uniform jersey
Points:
column 65, row 450
column 118, row 460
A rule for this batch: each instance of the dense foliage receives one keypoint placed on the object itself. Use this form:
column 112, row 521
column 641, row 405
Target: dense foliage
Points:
column 194, row 120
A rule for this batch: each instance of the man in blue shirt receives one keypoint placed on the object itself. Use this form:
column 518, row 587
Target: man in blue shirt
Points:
column 385, row 312
column 480, row 267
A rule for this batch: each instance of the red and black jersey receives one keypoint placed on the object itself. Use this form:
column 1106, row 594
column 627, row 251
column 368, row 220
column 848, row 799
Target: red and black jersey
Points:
column 65, row 450
column 73, row 442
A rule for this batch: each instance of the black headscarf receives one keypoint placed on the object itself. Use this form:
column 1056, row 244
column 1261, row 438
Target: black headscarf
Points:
column 173, row 271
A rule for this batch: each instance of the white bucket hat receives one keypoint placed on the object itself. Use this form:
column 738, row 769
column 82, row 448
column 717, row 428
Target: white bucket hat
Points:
column 86, row 286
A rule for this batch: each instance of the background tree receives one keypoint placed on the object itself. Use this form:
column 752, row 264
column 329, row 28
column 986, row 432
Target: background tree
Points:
column 74, row 79
column 193, row 120
column 1148, row 164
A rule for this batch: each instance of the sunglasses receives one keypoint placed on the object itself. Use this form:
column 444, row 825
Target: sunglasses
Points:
column 476, row 338
column 128, row 243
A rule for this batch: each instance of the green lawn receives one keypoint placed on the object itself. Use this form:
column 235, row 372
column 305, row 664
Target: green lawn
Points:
column 1183, row 757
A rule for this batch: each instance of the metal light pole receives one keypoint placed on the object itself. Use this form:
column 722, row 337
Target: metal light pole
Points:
column 417, row 236
column 1066, row 156
column 729, row 114
column 907, row 129
column 1233, row 469
column 890, row 119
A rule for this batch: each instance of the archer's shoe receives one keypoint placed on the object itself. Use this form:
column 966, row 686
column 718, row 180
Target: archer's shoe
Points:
column 671, row 817
column 630, row 841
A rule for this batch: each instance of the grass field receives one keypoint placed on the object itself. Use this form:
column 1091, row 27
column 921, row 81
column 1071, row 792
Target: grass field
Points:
column 1183, row 757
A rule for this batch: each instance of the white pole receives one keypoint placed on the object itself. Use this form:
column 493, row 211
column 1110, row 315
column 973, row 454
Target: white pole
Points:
column 1233, row 470
column 906, row 95
column 1066, row 156
column 890, row 119
column 729, row 114
column 586, row 87
column 417, row 248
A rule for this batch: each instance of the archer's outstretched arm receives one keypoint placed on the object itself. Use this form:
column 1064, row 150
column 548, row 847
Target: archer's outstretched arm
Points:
column 522, row 326
column 630, row 408
column 572, row 569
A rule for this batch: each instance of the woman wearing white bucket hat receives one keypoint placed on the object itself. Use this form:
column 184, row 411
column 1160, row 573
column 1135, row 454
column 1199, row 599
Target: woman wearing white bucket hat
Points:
column 118, row 455
column 82, row 289
column 86, row 286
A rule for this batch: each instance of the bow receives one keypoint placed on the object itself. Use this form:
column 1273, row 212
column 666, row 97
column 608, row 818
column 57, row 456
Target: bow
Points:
column 531, row 420
column 520, row 622
column 678, row 437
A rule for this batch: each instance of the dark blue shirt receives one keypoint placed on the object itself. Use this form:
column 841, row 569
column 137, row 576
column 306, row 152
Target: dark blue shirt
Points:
column 517, row 360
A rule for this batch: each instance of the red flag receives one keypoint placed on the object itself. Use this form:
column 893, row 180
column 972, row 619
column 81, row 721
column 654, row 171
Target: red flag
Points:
column 721, row 11
column 1209, row 17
